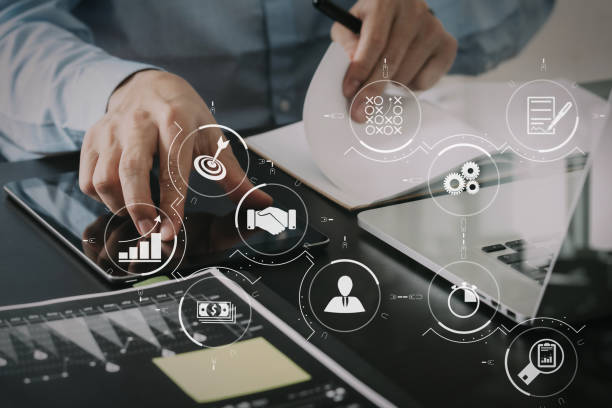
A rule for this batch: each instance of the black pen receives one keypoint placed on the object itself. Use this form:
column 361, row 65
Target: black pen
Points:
column 338, row 14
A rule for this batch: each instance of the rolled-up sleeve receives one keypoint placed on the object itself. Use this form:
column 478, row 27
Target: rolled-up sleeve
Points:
column 52, row 76
column 490, row 32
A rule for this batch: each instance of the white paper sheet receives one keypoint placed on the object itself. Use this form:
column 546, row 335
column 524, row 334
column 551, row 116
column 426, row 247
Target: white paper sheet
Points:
column 330, row 165
column 288, row 148
column 330, row 139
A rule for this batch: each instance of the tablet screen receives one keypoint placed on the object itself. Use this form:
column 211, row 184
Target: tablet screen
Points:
column 104, row 239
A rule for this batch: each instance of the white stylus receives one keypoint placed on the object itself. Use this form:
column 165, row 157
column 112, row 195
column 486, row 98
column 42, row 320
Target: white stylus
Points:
column 560, row 115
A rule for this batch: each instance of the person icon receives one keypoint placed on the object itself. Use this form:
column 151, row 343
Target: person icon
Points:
column 344, row 303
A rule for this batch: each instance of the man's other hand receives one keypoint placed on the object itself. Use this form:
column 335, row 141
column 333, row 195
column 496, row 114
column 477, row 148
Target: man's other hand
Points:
column 417, row 48
column 118, row 151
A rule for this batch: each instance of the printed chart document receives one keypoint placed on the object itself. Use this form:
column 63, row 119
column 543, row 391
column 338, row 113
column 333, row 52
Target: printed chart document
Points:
column 129, row 338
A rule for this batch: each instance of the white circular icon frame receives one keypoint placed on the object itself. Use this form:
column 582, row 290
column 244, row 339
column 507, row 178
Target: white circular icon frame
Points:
column 412, row 137
column 244, row 241
column 170, row 257
column 180, row 148
column 367, row 269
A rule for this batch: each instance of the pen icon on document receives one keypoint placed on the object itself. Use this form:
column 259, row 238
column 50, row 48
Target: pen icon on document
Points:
column 560, row 115
column 541, row 116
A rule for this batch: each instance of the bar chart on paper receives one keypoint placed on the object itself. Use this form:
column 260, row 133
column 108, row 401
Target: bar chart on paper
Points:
column 90, row 350
column 49, row 340
column 144, row 251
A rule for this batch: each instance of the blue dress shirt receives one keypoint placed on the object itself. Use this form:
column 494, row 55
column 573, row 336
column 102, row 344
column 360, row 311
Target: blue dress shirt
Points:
column 60, row 60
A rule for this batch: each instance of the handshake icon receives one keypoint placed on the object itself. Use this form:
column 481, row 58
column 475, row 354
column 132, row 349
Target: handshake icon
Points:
column 271, row 219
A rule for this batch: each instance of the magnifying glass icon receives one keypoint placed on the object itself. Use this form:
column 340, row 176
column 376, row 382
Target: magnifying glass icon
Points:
column 549, row 358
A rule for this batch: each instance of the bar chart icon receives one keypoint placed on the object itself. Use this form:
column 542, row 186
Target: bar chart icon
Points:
column 547, row 355
column 145, row 251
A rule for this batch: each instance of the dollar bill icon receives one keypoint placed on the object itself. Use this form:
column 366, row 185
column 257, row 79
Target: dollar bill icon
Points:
column 215, row 312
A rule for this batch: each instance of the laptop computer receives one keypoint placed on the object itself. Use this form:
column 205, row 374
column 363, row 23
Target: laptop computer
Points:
column 532, row 238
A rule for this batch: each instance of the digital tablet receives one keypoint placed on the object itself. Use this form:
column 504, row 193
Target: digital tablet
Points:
column 113, row 247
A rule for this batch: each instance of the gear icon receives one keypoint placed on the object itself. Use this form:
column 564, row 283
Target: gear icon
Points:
column 470, row 170
column 454, row 184
column 472, row 187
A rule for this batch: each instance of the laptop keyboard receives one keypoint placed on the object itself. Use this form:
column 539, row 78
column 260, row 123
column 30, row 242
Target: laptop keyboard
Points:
column 532, row 261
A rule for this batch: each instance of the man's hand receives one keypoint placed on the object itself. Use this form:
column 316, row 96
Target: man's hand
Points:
column 417, row 48
column 118, row 151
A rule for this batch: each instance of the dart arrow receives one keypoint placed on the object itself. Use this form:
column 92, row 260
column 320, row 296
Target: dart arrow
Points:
column 220, row 146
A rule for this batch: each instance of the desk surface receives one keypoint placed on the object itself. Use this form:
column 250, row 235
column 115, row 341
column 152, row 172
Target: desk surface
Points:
column 35, row 266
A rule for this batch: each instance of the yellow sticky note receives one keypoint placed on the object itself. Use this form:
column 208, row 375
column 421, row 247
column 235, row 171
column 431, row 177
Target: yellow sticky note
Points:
column 243, row 368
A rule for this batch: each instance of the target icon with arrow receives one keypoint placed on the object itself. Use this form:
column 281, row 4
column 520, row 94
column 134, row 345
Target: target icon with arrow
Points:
column 210, row 167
